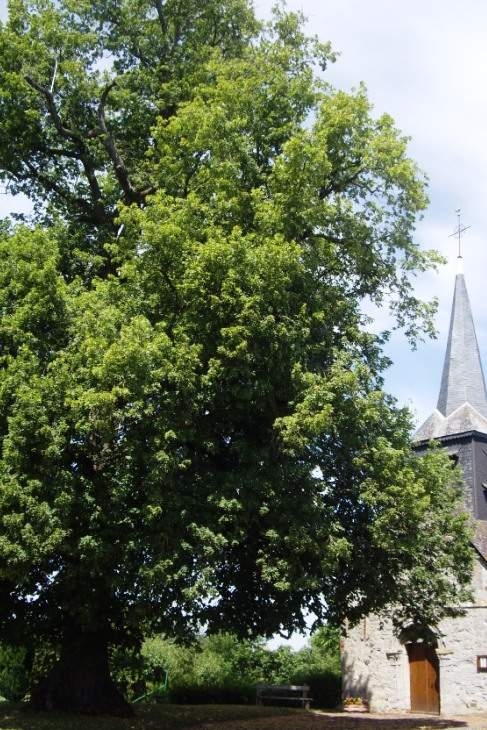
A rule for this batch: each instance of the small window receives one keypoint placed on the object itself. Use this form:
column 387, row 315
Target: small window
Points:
column 482, row 663
column 454, row 460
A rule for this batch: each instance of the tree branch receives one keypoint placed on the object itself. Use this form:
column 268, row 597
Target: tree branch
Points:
column 70, row 134
column 49, row 184
column 54, row 74
column 60, row 152
column 336, row 186
column 132, row 195
column 63, row 131
column 109, row 143
column 161, row 16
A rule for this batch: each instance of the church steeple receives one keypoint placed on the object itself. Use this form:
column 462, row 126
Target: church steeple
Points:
column 462, row 403
column 462, row 380
column 459, row 423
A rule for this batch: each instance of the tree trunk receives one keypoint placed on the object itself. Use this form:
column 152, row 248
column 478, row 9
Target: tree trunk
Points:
column 80, row 681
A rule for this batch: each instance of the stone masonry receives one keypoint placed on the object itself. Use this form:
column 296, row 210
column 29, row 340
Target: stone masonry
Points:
column 375, row 663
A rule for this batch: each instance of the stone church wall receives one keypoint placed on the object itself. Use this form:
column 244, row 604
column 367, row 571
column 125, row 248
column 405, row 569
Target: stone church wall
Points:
column 462, row 688
column 375, row 664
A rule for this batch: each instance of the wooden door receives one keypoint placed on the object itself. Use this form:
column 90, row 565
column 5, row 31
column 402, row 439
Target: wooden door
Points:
column 424, row 673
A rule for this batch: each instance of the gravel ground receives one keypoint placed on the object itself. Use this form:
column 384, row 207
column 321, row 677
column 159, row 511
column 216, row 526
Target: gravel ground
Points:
column 340, row 721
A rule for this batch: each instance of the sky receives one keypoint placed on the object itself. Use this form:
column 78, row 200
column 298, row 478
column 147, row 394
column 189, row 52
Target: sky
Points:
column 425, row 63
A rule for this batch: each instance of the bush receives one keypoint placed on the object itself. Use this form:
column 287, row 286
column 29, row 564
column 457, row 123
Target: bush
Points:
column 213, row 695
column 13, row 675
column 222, row 669
column 218, row 669
column 325, row 687
column 319, row 666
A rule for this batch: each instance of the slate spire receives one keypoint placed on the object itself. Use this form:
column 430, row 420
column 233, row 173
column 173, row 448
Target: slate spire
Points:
column 462, row 380
column 462, row 403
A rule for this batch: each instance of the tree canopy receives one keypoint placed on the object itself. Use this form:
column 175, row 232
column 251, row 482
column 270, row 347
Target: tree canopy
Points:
column 193, row 426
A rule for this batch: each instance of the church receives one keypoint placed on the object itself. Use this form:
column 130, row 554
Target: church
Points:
column 447, row 675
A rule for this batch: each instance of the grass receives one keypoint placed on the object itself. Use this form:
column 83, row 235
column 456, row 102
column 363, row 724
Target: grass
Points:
column 147, row 717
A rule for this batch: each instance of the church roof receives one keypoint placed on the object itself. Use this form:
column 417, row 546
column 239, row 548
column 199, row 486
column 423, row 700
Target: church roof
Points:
column 462, row 380
column 462, row 403
column 464, row 419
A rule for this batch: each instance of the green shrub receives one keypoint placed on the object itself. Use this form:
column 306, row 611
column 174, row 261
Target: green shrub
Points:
column 213, row 694
column 129, row 671
column 223, row 669
column 319, row 666
column 326, row 688
column 13, row 675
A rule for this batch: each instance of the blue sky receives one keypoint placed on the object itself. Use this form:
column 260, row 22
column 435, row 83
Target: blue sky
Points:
column 424, row 63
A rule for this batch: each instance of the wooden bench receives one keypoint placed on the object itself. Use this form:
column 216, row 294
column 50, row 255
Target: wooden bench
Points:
column 276, row 694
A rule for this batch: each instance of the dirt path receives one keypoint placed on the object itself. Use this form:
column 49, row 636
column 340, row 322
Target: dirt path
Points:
column 339, row 721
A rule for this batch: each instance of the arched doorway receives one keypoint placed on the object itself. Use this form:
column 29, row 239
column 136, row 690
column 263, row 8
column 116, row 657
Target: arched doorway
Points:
column 424, row 677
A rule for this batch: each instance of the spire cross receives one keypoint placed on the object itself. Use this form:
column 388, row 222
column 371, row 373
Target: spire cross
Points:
column 459, row 232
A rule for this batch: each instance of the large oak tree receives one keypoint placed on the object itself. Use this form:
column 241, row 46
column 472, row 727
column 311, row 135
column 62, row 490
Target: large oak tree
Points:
column 193, row 428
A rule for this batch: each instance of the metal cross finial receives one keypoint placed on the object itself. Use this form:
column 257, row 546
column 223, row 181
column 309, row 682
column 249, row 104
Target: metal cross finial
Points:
column 459, row 232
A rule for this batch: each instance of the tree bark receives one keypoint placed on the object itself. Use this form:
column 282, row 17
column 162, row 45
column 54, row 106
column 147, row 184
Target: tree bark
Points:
column 80, row 681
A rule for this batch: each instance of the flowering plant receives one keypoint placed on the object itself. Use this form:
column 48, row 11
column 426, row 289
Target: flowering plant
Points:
column 355, row 701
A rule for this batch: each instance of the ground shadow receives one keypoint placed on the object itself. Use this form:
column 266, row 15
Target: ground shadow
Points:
column 349, row 721
column 181, row 718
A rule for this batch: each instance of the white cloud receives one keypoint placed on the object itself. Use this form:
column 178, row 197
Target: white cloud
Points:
column 10, row 204
column 424, row 63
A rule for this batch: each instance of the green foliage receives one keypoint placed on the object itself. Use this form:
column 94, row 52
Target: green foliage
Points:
column 224, row 669
column 319, row 666
column 67, row 58
column 193, row 429
column 13, row 675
